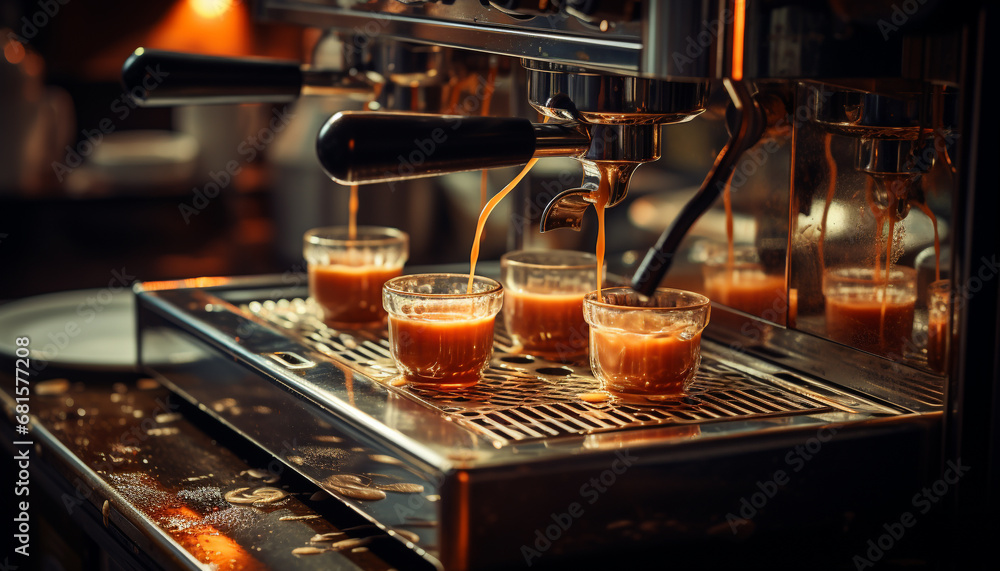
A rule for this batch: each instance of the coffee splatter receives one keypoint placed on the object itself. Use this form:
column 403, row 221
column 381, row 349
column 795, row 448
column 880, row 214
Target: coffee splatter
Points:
column 257, row 498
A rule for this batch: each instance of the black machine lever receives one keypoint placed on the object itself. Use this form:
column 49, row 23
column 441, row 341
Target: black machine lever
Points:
column 157, row 78
column 359, row 147
column 750, row 126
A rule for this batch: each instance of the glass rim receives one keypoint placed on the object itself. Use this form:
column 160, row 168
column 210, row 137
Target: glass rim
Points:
column 510, row 259
column 940, row 285
column 390, row 286
column 898, row 274
column 701, row 300
column 383, row 236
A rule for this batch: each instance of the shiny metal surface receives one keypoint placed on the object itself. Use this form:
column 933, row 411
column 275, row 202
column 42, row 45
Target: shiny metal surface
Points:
column 904, row 384
column 894, row 156
column 567, row 208
column 522, row 397
column 134, row 456
column 860, row 158
column 613, row 145
column 567, row 139
column 622, row 116
column 611, row 99
column 670, row 39
column 684, row 38
column 403, row 63
column 901, row 113
column 470, row 25
column 292, row 322
column 407, row 76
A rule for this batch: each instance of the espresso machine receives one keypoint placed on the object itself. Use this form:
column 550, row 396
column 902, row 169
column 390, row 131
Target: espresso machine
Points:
column 792, row 444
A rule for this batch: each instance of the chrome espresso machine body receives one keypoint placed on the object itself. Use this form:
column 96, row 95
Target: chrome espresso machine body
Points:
column 792, row 445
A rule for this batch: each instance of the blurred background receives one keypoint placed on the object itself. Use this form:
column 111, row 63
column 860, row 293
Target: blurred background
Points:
column 91, row 184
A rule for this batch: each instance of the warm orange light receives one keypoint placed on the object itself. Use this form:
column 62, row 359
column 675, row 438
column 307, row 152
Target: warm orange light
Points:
column 211, row 8
column 205, row 282
column 186, row 283
column 739, row 28
column 211, row 27
column 13, row 51
column 208, row 543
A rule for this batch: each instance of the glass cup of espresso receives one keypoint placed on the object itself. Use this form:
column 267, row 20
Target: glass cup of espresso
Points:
column 643, row 347
column 346, row 273
column 870, row 309
column 938, row 334
column 744, row 284
column 543, row 301
column 440, row 334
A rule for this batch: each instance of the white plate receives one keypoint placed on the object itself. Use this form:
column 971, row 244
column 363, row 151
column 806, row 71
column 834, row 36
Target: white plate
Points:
column 90, row 329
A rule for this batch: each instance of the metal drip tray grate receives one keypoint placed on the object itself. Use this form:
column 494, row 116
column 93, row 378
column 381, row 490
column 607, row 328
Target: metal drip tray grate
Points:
column 522, row 398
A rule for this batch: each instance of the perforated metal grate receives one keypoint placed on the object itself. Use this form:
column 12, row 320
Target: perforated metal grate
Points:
column 522, row 398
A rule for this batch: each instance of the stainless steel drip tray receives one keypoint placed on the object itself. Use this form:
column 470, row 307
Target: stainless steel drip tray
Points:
column 521, row 399
column 249, row 339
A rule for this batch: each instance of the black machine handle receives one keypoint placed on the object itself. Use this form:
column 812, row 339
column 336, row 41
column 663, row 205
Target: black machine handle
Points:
column 358, row 147
column 162, row 78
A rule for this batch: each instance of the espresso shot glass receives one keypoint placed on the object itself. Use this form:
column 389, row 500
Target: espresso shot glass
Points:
column 643, row 347
column 938, row 332
column 440, row 334
column 346, row 274
column 870, row 310
column 743, row 283
column 543, row 301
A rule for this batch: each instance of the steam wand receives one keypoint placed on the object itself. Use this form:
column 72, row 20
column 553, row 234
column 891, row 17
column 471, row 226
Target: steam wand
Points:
column 751, row 123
